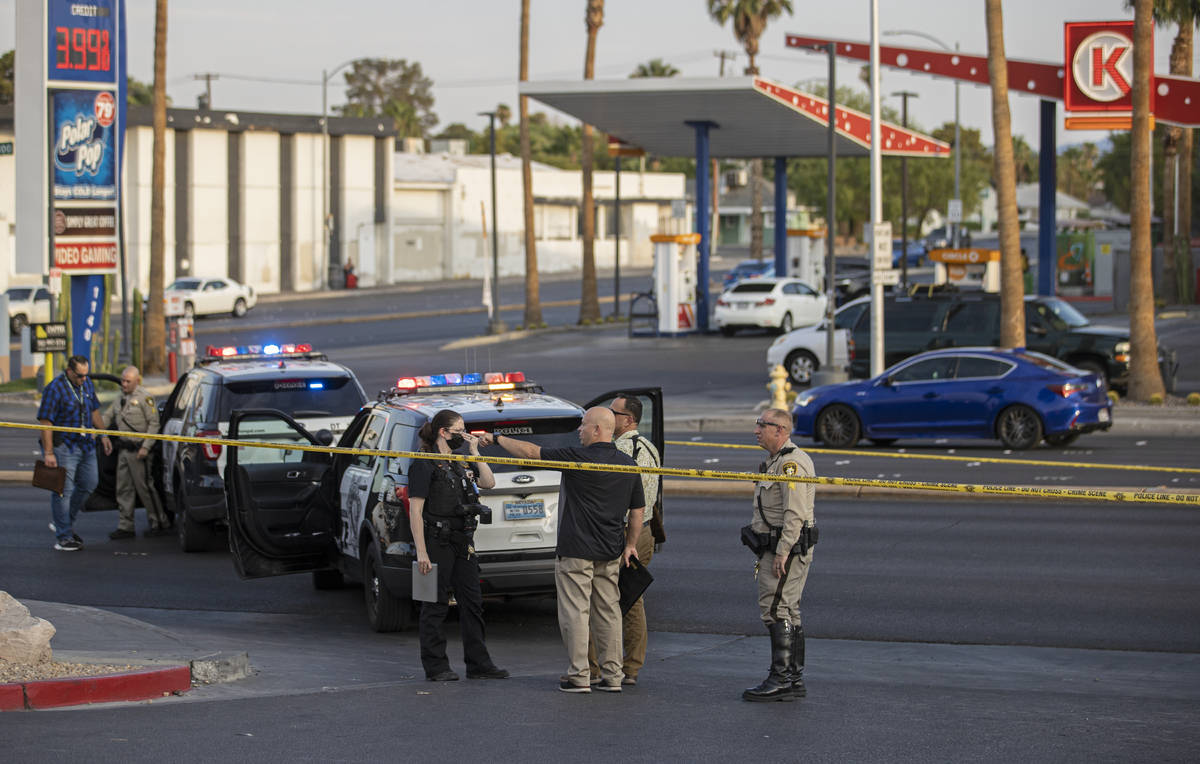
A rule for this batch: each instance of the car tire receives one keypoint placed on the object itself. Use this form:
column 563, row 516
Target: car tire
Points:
column 1062, row 439
column 883, row 441
column 786, row 324
column 385, row 611
column 728, row 331
column 189, row 310
column 239, row 308
column 800, row 365
column 838, row 426
column 327, row 580
column 17, row 323
column 1019, row 427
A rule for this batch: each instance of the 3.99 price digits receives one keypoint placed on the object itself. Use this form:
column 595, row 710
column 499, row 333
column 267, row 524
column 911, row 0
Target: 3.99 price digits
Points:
column 82, row 49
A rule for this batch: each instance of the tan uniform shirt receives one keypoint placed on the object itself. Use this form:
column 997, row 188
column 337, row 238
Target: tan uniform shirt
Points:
column 135, row 412
column 789, row 505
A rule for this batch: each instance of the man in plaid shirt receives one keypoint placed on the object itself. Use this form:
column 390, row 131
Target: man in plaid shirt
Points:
column 70, row 401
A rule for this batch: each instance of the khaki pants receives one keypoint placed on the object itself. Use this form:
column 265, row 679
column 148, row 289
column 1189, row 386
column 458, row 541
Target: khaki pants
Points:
column 133, row 484
column 589, row 605
column 633, row 623
column 779, row 600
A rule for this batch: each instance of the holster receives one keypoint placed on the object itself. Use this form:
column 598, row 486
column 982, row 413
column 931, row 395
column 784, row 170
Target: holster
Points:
column 757, row 542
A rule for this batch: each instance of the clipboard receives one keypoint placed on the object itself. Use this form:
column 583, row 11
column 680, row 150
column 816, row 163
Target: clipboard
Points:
column 424, row 587
column 632, row 582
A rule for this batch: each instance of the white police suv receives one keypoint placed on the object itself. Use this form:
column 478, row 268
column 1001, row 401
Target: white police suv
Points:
column 345, row 516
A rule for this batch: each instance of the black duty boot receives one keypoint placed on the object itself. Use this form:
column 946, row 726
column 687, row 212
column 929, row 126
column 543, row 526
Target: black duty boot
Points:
column 778, row 684
column 796, row 666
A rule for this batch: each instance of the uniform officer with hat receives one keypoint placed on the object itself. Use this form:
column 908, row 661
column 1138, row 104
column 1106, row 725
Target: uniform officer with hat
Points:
column 783, row 532
column 134, row 412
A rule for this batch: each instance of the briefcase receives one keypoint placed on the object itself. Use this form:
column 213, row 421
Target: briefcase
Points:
column 50, row 478
column 632, row 582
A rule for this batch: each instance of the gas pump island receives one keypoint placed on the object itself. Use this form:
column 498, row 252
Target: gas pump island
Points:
column 730, row 118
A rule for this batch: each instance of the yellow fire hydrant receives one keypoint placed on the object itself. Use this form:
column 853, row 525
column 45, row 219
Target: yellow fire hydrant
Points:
column 778, row 387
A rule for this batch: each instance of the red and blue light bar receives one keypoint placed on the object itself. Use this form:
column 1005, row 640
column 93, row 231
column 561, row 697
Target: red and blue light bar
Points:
column 272, row 350
column 474, row 382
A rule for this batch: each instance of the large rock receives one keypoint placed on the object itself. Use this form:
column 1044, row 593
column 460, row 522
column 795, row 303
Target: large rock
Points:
column 23, row 638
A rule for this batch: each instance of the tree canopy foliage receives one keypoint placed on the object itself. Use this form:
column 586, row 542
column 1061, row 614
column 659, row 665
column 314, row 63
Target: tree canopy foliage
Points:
column 395, row 88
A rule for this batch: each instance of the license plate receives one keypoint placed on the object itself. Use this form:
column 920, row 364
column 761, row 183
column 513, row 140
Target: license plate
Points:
column 741, row 305
column 1103, row 416
column 524, row 510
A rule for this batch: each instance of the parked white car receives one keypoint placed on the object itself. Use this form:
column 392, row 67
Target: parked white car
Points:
column 204, row 297
column 27, row 305
column 803, row 351
column 779, row 303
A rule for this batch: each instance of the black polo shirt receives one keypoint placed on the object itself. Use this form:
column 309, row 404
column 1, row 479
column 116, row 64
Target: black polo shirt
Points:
column 592, row 505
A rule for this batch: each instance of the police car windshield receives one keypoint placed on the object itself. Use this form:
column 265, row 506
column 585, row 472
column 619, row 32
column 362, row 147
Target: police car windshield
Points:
column 302, row 396
column 556, row 432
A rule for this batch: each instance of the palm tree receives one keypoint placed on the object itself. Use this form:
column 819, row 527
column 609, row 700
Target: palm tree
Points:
column 589, row 304
column 655, row 67
column 533, row 305
column 1145, row 379
column 750, row 19
column 503, row 114
column 154, row 357
column 1012, row 283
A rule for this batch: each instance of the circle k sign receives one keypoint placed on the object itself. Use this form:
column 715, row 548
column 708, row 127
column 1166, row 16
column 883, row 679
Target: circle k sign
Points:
column 1099, row 64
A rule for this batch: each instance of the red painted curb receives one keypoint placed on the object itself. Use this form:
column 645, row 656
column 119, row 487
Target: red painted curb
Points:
column 133, row 685
column 12, row 697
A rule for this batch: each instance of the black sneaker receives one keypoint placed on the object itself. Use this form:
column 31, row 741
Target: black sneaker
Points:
column 566, row 685
column 70, row 545
column 119, row 534
column 155, row 533
column 488, row 673
column 443, row 676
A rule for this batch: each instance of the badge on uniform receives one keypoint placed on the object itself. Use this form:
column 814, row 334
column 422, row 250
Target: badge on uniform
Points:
column 790, row 468
column 133, row 402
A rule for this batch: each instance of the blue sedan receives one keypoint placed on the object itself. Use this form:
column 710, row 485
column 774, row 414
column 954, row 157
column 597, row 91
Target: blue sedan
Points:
column 748, row 269
column 1017, row 396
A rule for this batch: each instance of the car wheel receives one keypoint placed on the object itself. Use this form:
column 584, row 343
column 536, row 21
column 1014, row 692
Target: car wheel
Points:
column 1092, row 367
column 786, row 324
column 800, row 365
column 239, row 308
column 883, row 441
column 17, row 323
column 189, row 310
column 328, row 579
column 385, row 611
column 838, row 427
column 1063, row 439
column 1019, row 427
column 728, row 331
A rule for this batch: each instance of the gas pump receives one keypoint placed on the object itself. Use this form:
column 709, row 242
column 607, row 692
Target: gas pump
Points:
column 181, row 337
column 806, row 256
column 970, row 268
column 675, row 282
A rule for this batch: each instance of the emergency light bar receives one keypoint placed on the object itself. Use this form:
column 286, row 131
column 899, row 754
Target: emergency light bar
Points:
column 475, row 382
column 270, row 350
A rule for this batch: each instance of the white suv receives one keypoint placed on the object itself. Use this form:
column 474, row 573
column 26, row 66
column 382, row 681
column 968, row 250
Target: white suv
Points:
column 345, row 516
column 802, row 351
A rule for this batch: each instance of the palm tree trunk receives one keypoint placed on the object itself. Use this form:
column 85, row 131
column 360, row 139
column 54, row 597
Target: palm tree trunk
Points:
column 1145, row 379
column 756, row 214
column 589, row 303
column 1168, row 289
column 1012, row 283
column 155, row 339
column 1183, row 249
column 533, row 304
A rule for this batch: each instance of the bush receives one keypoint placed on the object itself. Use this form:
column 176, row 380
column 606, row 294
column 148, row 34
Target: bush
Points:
column 1193, row 399
column 1156, row 399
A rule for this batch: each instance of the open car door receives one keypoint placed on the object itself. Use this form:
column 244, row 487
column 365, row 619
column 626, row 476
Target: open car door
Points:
column 651, row 426
column 282, row 507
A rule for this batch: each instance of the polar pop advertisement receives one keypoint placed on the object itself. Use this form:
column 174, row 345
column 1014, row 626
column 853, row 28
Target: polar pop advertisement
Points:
column 84, row 144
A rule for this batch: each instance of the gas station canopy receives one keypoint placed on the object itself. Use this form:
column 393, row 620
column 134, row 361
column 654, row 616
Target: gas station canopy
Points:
column 749, row 116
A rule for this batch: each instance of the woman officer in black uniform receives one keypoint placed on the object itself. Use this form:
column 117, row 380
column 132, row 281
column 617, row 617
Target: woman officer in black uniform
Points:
column 441, row 505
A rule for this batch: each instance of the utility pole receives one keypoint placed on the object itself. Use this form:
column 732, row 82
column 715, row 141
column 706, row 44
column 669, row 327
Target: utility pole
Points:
column 205, row 101
column 495, row 325
column 904, row 95
column 716, row 176
column 724, row 55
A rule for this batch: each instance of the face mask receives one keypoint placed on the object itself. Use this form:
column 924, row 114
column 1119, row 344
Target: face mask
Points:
column 455, row 441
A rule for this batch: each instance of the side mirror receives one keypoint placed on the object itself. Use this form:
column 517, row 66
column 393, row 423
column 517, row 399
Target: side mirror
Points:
column 1037, row 329
column 324, row 437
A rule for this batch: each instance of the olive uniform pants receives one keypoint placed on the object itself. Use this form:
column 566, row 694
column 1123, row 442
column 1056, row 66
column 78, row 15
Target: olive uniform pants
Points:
column 779, row 598
column 132, row 485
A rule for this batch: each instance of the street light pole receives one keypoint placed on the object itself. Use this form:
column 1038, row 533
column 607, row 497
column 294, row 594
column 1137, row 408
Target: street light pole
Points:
column 495, row 325
column 904, row 96
column 327, row 227
column 957, row 130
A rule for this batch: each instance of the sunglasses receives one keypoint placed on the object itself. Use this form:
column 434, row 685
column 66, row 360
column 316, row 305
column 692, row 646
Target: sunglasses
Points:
column 762, row 423
column 621, row 413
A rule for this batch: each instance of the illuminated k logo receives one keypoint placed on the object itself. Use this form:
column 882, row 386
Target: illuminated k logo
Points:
column 1102, row 66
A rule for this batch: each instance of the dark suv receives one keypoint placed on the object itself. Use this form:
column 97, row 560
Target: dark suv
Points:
column 306, row 385
column 972, row 319
column 345, row 516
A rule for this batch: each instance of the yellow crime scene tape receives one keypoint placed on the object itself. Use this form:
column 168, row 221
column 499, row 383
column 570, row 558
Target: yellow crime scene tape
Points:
column 1139, row 497
column 947, row 458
